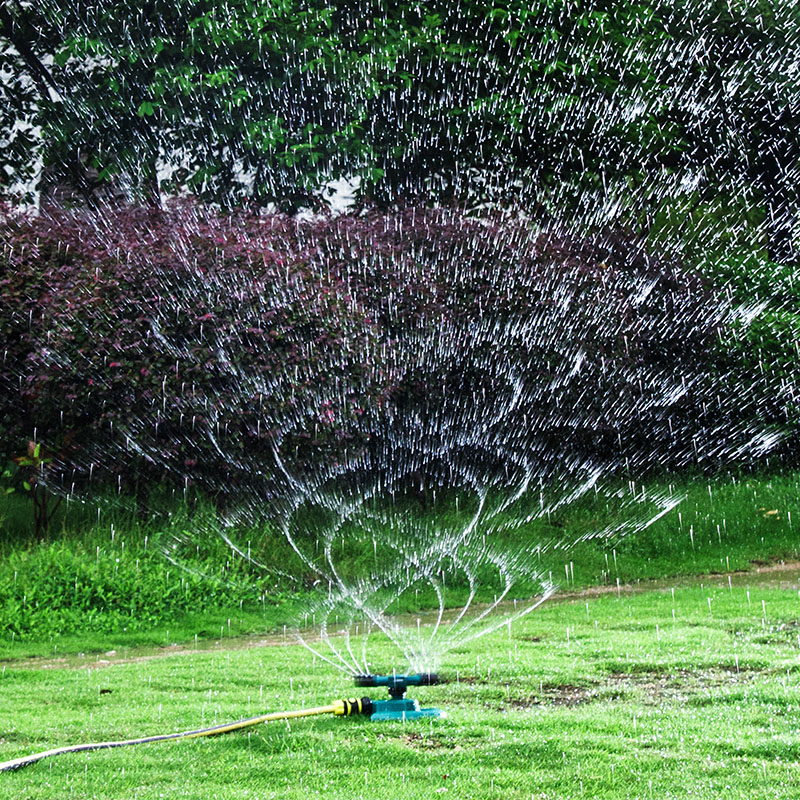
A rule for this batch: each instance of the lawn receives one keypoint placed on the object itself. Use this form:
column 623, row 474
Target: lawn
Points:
column 680, row 691
column 101, row 581
column 665, row 685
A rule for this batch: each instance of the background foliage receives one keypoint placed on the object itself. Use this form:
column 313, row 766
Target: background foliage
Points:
column 673, row 121
column 591, row 107
column 187, row 344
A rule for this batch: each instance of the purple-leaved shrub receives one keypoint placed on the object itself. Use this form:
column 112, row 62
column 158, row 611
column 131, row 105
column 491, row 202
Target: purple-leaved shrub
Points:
column 190, row 346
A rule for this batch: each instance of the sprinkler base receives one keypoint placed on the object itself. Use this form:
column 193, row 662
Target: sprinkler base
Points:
column 391, row 710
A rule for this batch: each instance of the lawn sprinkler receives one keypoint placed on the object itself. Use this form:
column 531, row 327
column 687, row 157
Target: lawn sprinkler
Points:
column 399, row 706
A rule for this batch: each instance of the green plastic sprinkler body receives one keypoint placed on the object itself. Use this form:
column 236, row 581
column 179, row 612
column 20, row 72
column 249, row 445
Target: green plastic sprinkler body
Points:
column 399, row 707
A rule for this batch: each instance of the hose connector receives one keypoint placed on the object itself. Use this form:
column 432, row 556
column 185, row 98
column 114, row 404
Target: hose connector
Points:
column 352, row 707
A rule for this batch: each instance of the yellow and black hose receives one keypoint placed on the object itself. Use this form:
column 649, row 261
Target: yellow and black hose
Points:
column 337, row 708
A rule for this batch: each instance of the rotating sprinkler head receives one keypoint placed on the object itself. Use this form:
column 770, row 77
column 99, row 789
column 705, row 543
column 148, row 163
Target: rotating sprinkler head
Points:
column 399, row 706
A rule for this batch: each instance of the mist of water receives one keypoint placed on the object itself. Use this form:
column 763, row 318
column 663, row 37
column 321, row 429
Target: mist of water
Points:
column 563, row 380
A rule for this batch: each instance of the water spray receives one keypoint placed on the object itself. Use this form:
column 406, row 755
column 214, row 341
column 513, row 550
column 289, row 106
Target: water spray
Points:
column 398, row 707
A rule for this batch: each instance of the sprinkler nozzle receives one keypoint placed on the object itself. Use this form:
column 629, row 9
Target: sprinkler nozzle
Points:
column 397, row 684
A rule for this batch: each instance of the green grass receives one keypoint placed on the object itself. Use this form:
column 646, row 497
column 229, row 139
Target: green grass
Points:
column 102, row 580
column 604, row 697
column 723, row 524
column 104, row 583
column 687, row 689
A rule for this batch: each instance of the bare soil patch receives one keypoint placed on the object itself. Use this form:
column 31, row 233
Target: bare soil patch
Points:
column 652, row 686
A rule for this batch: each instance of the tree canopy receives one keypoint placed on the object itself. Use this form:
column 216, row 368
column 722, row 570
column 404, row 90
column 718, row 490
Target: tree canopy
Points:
column 590, row 109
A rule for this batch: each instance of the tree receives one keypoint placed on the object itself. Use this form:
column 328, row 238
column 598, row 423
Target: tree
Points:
column 734, row 100
column 193, row 94
column 594, row 111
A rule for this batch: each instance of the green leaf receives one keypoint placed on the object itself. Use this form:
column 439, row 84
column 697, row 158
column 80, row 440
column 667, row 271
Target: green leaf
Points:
column 26, row 486
column 146, row 109
column 62, row 57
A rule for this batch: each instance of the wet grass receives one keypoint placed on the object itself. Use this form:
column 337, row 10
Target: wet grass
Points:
column 676, row 692
column 104, row 582
column 721, row 525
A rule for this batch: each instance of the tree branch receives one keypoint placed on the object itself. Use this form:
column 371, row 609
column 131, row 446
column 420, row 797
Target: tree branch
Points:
column 18, row 33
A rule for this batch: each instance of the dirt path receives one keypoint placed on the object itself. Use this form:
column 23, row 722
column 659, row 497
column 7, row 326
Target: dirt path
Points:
column 780, row 575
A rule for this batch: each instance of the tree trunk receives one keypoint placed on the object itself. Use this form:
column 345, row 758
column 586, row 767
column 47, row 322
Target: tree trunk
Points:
column 780, row 196
column 152, row 190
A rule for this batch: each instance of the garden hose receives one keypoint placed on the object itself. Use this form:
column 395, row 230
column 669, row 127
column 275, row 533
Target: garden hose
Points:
column 338, row 708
